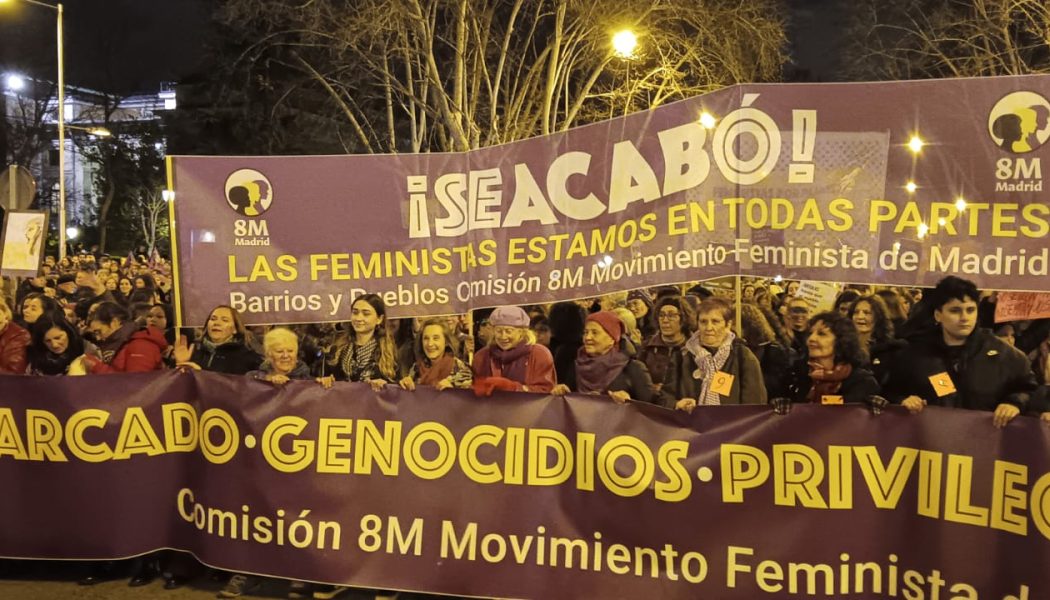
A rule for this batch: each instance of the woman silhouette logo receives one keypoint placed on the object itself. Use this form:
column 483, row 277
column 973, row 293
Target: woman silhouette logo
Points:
column 1020, row 122
column 249, row 192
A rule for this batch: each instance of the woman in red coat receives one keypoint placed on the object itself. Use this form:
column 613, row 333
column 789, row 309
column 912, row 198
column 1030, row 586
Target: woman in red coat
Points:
column 14, row 341
column 125, row 345
column 513, row 361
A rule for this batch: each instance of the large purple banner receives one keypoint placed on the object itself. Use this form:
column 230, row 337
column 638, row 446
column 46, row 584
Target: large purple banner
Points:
column 523, row 495
column 896, row 183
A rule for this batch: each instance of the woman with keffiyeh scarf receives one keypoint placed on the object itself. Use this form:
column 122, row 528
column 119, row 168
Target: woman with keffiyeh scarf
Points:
column 714, row 367
column 369, row 354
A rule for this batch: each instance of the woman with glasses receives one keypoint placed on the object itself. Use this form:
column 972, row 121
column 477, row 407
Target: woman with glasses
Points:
column 675, row 323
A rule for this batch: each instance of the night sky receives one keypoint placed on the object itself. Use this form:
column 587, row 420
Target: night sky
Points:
column 129, row 46
column 120, row 46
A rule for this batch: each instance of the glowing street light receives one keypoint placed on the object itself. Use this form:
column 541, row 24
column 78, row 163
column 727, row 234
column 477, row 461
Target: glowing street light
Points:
column 72, row 233
column 97, row 131
column 911, row 187
column 167, row 195
column 624, row 43
column 14, row 81
column 960, row 204
column 915, row 144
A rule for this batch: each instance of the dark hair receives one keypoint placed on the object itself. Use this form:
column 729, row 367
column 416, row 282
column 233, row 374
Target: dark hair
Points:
column 777, row 325
column 87, row 267
column 894, row 304
column 566, row 320
column 847, row 348
column 882, row 329
column 846, row 297
column 687, row 321
column 107, row 311
column 716, row 304
column 49, row 304
column 953, row 288
column 139, row 311
column 147, row 280
column 40, row 358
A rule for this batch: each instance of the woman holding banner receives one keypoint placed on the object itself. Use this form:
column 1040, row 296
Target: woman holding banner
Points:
column 436, row 364
column 368, row 354
column 513, row 361
column 676, row 323
column 603, row 368
column 125, row 346
column 833, row 370
column 222, row 349
column 714, row 366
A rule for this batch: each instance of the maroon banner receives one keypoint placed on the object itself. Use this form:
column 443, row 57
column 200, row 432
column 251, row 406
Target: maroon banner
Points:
column 897, row 183
column 522, row 495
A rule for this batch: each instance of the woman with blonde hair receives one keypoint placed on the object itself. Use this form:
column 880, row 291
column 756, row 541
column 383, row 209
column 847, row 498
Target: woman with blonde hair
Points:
column 513, row 361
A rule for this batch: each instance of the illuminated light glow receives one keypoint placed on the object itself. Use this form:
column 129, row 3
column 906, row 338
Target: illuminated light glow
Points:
column 778, row 278
column 923, row 230
column 72, row 233
column 208, row 237
column 707, row 120
column 624, row 43
column 14, row 82
column 915, row 144
column 960, row 203
column 896, row 245
column 167, row 195
column 607, row 260
column 911, row 187
column 941, row 221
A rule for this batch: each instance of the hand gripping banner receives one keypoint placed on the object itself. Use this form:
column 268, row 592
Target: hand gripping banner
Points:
column 522, row 495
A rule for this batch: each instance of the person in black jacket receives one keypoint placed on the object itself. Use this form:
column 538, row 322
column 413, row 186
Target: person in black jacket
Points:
column 762, row 341
column 222, row 349
column 958, row 365
column 601, row 367
column 566, row 321
column 833, row 369
column 875, row 329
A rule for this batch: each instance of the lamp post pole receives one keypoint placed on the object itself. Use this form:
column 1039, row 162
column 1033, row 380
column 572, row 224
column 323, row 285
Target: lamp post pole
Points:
column 59, row 9
column 61, row 139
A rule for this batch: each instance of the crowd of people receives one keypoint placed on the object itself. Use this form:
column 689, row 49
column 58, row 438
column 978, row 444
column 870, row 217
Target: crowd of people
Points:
column 675, row 346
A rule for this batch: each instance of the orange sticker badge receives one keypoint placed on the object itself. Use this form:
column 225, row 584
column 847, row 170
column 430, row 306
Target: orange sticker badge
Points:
column 722, row 384
column 829, row 399
column 942, row 384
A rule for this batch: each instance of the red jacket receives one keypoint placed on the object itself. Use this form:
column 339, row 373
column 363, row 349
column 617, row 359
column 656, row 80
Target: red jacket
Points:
column 144, row 351
column 14, row 341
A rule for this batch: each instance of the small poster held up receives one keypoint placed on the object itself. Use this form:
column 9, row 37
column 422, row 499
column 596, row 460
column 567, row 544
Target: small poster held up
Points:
column 820, row 294
column 22, row 242
column 1019, row 306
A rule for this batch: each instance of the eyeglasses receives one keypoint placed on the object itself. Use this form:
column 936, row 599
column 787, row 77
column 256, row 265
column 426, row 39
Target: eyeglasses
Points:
column 669, row 316
column 798, row 310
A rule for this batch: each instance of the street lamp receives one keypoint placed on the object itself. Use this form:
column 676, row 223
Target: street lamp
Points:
column 97, row 131
column 14, row 81
column 624, row 43
column 61, row 124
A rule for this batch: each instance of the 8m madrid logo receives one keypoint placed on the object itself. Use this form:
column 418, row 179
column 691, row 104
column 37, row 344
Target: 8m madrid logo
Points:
column 249, row 193
column 1019, row 123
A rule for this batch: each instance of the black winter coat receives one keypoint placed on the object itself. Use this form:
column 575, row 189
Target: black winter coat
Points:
column 635, row 380
column 985, row 371
column 233, row 357
column 748, row 387
column 776, row 368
